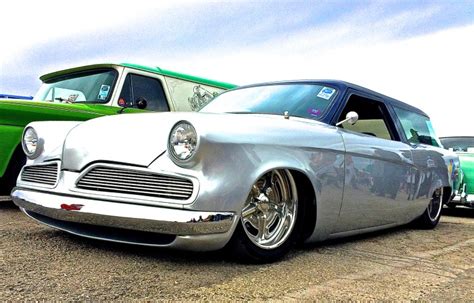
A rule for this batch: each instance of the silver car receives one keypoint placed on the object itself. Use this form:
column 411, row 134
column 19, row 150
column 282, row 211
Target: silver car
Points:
column 256, row 170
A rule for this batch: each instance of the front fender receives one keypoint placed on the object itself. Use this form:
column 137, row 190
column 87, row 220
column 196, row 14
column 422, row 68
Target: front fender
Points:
column 51, row 135
column 227, row 172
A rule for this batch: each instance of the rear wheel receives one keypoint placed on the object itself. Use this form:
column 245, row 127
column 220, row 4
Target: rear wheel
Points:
column 430, row 218
column 268, row 225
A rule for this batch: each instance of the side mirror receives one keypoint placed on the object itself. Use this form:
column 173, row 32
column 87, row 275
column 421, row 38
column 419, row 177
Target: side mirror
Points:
column 141, row 103
column 351, row 117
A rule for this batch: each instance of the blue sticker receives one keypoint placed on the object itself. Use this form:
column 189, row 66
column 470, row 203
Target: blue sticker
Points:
column 103, row 92
column 326, row 93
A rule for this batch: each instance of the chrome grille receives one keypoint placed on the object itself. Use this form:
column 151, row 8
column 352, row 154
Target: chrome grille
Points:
column 118, row 180
column 46, row 174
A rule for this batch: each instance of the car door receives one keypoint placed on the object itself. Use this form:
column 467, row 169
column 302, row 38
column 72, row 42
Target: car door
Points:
column 378, row 166
column 142, row 91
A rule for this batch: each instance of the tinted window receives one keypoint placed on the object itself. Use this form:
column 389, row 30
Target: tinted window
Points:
column 301, row 100
column 417, row 128
column 150, row 89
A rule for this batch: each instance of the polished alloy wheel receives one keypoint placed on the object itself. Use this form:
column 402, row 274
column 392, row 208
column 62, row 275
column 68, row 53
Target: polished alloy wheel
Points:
column 436, row 204
column 269, row 214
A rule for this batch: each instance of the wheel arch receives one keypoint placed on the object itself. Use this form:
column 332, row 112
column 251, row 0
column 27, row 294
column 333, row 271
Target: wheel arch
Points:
column 304, row 185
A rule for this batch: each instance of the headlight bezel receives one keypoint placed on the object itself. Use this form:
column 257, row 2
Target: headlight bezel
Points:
column 171, row 150
column 38, row 147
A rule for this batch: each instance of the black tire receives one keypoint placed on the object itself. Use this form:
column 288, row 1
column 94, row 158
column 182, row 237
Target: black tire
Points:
column 8, row 181
column 244, row 249
column 430, row 217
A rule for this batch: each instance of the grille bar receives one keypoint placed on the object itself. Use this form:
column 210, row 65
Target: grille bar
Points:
column 42, row 174
column 125, row 181
column 134, row 179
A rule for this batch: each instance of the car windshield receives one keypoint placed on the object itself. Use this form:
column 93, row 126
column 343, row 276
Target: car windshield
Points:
column 298, row 99
column 84, row 87
column 463, row 144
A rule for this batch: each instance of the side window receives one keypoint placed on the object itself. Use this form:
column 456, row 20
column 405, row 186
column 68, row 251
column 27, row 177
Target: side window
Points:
column 417, row 128
column 138, row 87
column 373, row 118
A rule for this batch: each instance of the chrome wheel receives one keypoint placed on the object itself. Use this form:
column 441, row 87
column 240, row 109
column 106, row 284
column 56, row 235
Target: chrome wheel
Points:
column 269, row 214
column 436, row 204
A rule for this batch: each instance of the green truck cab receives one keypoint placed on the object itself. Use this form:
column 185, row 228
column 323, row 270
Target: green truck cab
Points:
column 92, row 91
column 464, row 148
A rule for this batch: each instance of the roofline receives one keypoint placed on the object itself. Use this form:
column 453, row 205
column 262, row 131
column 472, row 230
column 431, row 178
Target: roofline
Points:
column 155, row 70
column 342, row 85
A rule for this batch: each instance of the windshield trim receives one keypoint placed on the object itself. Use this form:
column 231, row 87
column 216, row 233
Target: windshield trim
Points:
column 85, row 73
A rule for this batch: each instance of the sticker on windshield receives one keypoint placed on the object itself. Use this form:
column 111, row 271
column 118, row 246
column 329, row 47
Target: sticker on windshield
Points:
column 326, row 93
column 72, row 98
column 104, row 92
column 314, row 112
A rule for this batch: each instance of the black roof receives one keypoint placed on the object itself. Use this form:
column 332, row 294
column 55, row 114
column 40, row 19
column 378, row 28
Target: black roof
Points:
column 343, row 86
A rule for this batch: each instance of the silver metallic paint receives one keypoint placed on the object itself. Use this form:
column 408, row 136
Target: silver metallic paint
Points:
column 236, row 149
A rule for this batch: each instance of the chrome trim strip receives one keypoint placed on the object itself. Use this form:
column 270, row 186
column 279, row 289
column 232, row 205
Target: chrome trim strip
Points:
column 122, row 215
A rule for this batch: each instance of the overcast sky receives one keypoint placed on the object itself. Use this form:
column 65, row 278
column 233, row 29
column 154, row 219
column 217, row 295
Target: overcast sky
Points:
column 420, row 52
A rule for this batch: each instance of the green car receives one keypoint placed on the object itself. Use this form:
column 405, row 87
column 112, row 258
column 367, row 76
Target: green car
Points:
column 93, row 91
column 464, row 147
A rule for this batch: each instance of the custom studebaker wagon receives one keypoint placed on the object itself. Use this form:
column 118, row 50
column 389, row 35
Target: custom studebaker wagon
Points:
column 258, row 169
column 92, row 91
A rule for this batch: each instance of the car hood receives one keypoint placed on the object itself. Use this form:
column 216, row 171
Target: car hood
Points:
column 139, row 139
column 22, row 112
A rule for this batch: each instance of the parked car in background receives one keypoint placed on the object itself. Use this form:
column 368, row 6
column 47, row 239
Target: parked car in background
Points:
column 259, row 168
column 17, row 97
column 464, row 147
column 93, row 91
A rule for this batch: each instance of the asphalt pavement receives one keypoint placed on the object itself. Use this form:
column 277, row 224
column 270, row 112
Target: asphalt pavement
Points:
column 40, row 263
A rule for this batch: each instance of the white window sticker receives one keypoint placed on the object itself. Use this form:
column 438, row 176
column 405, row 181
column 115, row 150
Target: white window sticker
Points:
column 104, row 92
column 326, row 92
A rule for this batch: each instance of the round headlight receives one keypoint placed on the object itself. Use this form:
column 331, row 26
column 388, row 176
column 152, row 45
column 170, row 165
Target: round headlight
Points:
column 30, row 142
column 182, row 141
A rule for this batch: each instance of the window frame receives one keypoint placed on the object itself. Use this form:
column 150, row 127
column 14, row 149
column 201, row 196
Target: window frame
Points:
column 146, row 75
column 86, row 72
column 440, row 145
column 387, row 113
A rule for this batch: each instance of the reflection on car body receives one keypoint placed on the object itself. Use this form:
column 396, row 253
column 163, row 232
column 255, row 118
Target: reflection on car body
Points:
column 258, row 169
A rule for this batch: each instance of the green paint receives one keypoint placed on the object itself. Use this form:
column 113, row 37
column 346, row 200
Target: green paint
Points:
column 467, row 166
column 16, row 114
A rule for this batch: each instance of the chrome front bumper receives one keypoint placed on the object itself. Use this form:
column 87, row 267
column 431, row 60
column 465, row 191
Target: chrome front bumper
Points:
column 184, row 229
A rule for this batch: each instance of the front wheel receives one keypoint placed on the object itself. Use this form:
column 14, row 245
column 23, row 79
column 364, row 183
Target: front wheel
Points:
column 268, row 226
column 430, row 218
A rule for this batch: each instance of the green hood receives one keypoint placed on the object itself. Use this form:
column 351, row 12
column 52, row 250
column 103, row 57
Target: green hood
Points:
column 22, row 112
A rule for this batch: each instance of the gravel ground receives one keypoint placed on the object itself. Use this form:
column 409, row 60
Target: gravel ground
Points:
column 39, row 263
